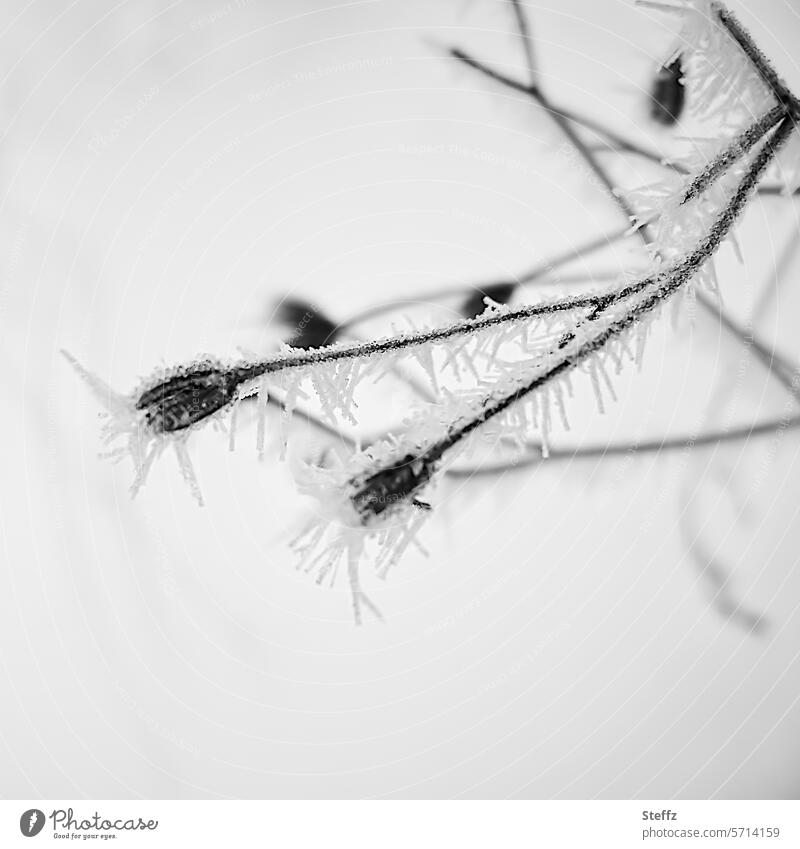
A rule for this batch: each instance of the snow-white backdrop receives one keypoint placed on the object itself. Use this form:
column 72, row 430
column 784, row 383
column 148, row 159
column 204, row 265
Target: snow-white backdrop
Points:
column 168, row 172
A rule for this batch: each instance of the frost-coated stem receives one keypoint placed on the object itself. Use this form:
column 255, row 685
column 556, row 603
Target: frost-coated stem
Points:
column 220, row 387
column 759, row 61
column 786, row 100
column 737, row 148
column 247, row 372
column 680, row 272
column 330, row 354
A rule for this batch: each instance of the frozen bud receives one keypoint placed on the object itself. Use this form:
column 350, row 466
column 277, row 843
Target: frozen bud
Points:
column 392, row 487
column 185, row 399
column 500, row 293
column 668, row 93
column 308, row 327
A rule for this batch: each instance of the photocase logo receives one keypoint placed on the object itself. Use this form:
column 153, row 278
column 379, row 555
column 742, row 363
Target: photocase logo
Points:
column 31, row 822
column 65, row 824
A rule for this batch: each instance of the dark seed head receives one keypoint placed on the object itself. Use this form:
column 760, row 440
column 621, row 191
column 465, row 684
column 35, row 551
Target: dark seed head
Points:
column 180, row 401
column 668, row 93
column 392, row 486
column 500, row 292
column 308, row 327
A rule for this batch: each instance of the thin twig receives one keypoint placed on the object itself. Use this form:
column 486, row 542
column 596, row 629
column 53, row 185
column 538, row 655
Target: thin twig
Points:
column 763, row 67
column 536, row 456
column 667, row 284
column 532, row 275
column 780, row 364
column 188, row 396
column 527, row 43
column 633, row 449
column 617, row 142
column 778, row 275
column 587, row 123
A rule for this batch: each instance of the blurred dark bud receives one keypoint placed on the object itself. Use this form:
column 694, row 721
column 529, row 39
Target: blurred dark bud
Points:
column 668, row 93
column 499, row 292
column 392, row 487
column 185, row 399
column 307, row 326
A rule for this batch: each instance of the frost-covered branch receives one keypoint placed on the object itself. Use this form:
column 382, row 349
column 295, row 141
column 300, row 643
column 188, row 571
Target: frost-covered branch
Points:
column 380, row 493
column 759, row 61
column 719, row 77
column 734, row 151
column 185, row 396
column 665, row 284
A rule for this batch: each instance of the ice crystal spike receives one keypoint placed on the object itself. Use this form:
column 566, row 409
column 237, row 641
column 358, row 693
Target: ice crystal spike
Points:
column 187, row 470
column 358, row 595
column 113, row 401
column 262, row 399
column 182, row 400
column 668, row 93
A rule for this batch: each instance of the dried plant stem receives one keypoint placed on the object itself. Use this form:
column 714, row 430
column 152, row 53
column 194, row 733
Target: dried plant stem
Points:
column 788, row 105
column 664, row 285
column 785, row 371
column 616, row 142
column 630, row 449
column 584, row 452
column 538, row 272
column 758, row 60
column 733, row 151
column 738, row 147
column 246, row 373
column 527, row 43
column 619, row 142
column 216, row 388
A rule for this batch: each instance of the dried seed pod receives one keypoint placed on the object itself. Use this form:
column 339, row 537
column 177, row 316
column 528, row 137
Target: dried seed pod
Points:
column 185, row 399
column 668, row 93
column 392, row 487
